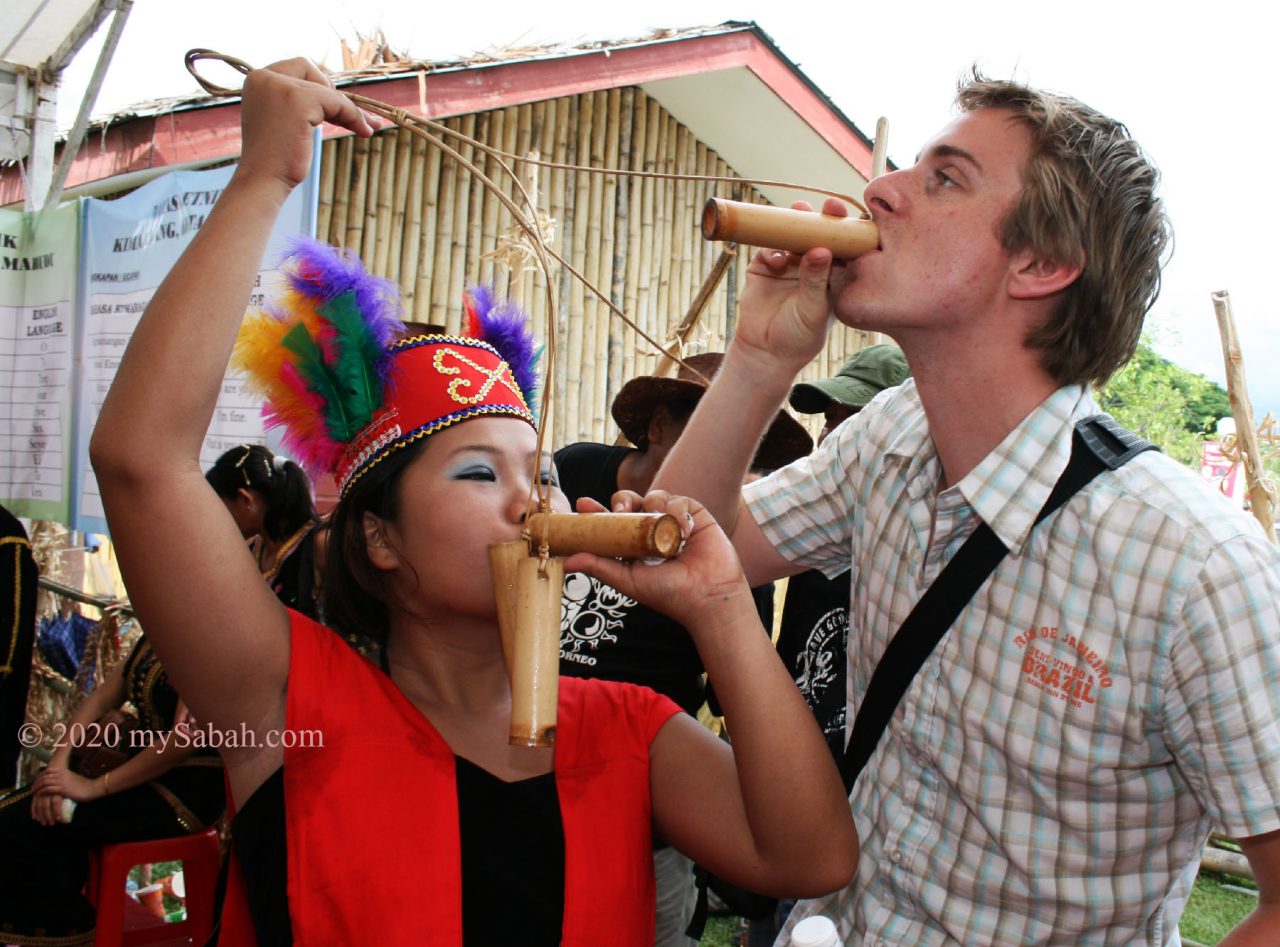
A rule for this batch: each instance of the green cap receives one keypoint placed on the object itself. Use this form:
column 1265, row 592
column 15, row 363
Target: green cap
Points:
column 869, row 372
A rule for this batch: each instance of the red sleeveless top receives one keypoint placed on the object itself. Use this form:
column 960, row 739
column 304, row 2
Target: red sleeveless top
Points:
column 372, row 814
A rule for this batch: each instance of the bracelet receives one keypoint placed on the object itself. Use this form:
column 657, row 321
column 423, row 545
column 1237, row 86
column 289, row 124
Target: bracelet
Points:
column 106, row 783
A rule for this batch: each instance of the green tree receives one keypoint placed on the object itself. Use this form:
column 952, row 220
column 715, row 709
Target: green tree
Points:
column 1170, row 406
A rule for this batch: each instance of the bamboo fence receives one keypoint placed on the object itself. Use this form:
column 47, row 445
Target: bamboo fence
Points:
column 425, row 223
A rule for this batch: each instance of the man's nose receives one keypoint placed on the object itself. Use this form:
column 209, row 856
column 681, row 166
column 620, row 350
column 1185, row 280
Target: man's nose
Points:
column 883, row 195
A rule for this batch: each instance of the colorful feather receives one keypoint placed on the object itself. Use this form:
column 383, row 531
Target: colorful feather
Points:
column 318, row 355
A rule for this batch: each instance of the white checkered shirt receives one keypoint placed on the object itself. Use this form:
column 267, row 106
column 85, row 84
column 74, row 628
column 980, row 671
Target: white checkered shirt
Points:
column 1111, row 694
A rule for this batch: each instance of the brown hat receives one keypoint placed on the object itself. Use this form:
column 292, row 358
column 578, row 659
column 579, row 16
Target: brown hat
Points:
column 785, row 441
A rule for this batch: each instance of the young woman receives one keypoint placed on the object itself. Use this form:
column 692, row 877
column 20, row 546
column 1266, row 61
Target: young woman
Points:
column 269, row 497
column 415, row 821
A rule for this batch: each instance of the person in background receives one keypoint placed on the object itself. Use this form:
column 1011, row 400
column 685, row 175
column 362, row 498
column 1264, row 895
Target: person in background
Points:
column 269, row 497
column 607, row 635
column 17, row 638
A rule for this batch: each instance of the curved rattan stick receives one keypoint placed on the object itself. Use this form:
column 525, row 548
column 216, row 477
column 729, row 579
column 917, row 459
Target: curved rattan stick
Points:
column 529, row 223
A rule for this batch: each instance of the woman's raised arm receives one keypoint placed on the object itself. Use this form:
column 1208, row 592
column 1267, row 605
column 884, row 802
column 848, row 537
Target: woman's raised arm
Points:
column 215, row 624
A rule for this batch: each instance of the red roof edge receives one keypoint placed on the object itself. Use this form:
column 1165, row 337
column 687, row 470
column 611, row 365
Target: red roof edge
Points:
column 211, row 131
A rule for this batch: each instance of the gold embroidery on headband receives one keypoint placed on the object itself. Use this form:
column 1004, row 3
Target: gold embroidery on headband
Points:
column 491, row 377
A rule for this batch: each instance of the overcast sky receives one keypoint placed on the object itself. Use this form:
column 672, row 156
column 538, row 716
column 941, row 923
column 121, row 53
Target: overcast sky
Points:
column 1195, row 88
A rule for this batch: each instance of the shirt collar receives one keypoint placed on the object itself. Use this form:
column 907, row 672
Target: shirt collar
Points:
column 1010, row 485
column 912, row 446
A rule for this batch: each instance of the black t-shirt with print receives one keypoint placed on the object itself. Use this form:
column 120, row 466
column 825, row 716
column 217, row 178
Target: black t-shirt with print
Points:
column 604, row 634
column 813, row 641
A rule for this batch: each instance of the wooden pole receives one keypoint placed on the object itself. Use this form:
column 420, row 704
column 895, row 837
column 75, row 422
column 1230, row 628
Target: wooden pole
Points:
column 1260, row 497
column 880, row 151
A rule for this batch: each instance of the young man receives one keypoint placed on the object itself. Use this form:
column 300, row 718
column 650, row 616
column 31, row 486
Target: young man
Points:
column 1113, row 690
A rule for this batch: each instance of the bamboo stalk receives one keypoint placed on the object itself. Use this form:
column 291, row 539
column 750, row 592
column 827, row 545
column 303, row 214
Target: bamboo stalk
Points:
column 401, row 176
column 444, row 241
column 475, row 205
column 359, row 186
column 662, row 249
column 458, row 230
column 518, row 137
column 429, row 246
column 535, row 670
column 591, row 391
column 575, row 376
column 411, row 246
column 607, row 147
column 324, row 213
column 511, row 122
column 621, row 230
column 369, row 229
column 635, row 211
column 1260, row 498
column 567, row 115
column 337, row 233
column 688, row 157
column 386, row 204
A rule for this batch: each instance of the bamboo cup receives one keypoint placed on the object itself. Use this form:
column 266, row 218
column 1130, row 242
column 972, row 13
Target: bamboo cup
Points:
column 780, row 228
column 535, row 665
column 503, row 559
column 614, row 535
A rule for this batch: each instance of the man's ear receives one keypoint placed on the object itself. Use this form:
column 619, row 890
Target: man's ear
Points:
column 658, row 424
column 377, row 543
column 1034, row 277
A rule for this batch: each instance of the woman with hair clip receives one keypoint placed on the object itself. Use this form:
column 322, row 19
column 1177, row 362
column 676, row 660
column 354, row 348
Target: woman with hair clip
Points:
column 386, row 805
column 269, row 497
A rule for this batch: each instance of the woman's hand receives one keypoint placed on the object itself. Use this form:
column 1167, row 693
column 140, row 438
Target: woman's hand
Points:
column 70, row 785
column 54, row 785
column 281, row 105
column 692, row 588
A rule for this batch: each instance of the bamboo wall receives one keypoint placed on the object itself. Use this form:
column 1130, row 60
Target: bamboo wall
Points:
column 424, row 222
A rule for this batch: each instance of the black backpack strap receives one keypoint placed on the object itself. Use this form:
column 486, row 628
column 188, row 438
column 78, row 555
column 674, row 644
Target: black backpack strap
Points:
column 1097, row 444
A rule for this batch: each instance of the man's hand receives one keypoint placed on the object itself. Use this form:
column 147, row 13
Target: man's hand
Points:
column 785, row 311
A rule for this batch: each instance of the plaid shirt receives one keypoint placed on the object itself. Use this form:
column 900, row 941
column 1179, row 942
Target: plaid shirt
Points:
column 1109, row 695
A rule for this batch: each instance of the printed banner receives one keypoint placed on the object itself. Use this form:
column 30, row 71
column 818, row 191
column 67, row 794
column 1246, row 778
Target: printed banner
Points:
column 37, row 304
column 130, row 244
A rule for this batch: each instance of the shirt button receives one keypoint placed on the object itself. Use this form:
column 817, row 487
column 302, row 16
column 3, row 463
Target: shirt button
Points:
column 895, row 856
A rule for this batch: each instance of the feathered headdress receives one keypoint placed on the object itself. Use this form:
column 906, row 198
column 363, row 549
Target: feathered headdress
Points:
column 329, row 359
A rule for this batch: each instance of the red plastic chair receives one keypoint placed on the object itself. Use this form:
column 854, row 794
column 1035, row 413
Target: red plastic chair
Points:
column 201, row 857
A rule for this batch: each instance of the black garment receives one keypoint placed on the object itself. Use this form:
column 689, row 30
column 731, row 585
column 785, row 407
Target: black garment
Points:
column 17, row 638
column 604, row 634
column 813, row 642
column 43, row 868
column 257, row 832
column 512, row 844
